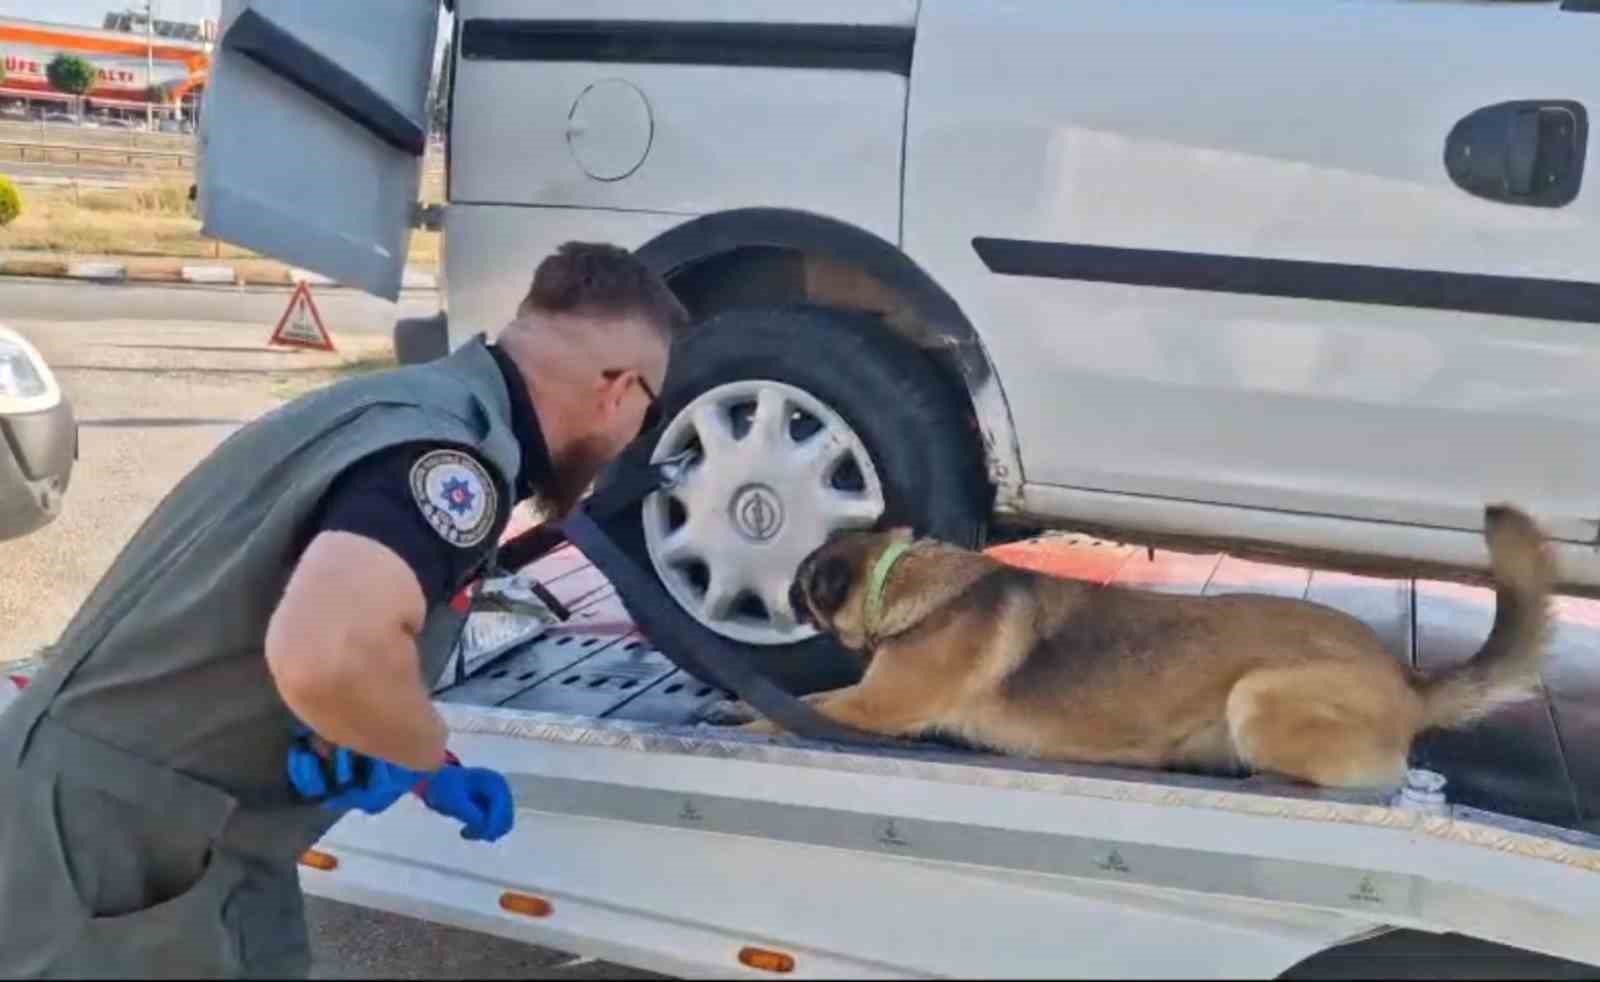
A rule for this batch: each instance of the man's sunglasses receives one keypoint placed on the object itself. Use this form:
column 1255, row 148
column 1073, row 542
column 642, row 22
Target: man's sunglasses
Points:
column 652, row 413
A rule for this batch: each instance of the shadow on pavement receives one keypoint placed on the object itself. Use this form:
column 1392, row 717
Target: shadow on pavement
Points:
column 349, row 942
column 191, row 370
column 210, row 348
column 1420, row 955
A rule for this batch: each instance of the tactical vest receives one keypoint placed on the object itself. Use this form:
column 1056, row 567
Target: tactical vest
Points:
column 166, row 657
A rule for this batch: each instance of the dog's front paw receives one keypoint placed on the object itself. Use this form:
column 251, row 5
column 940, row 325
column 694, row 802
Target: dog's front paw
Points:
column 729, row 712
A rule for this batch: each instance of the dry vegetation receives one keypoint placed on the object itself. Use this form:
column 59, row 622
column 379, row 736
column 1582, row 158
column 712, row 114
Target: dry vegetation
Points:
column 149, row 221
column 357, row 358
column 145, row 221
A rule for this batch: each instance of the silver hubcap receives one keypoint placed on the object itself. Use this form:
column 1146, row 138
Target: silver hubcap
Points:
column 772, row 473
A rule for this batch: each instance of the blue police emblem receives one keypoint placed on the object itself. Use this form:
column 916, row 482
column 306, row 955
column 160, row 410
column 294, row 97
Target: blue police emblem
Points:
column 456, row 496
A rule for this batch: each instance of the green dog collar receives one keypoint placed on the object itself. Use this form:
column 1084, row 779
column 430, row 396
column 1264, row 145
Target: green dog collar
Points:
column 878, row 581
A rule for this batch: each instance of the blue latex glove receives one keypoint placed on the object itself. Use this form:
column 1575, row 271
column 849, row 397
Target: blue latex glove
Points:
column 478, row 797
column 346, row 779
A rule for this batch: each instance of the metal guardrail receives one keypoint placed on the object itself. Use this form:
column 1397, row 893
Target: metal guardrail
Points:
column 433, row 164
column 47, row 152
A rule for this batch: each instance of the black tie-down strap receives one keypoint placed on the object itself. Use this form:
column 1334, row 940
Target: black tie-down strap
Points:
column 687, row 644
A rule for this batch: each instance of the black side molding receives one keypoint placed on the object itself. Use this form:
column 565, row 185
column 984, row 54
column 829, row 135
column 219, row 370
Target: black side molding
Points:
column 832, row 46
column 279, row 51
column 1512, row 296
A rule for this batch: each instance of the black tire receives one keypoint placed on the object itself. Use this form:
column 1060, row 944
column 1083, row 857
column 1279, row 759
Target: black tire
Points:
column 915, row 423
column 421, row 339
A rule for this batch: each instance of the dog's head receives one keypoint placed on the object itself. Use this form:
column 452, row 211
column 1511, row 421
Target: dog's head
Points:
column 831, row 584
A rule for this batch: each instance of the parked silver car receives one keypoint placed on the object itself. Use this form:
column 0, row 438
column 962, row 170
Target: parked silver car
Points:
column 38, row 439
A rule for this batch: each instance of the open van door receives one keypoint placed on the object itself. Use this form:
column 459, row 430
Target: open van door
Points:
column 314, row 133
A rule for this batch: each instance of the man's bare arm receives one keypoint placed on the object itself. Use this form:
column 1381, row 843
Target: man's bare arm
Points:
column 342, row 650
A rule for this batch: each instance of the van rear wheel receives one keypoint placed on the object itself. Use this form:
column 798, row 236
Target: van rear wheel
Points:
column 797, row 422
column 421, row 339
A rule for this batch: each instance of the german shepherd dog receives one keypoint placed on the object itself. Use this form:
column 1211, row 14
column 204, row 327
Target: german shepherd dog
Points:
column 959, row 644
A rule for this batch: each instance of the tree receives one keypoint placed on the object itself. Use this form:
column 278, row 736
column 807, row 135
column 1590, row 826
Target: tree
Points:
column 72, row 75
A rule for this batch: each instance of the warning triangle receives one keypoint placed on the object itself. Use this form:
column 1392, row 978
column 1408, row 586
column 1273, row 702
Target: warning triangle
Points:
column 301, row 325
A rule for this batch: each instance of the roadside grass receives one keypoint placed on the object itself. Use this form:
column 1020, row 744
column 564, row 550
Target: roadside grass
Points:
column 146, row 221
column 296, row 383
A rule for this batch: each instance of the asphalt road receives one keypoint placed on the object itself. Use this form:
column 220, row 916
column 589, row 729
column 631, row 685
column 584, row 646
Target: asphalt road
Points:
column 344, row 311
column 154, row 393
column 35, row 132
column 151, row 398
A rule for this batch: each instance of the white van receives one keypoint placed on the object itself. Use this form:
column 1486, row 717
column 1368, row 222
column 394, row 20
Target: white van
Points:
column 1314, row 279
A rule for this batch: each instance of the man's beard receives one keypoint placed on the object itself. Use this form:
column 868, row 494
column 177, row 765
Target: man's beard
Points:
column 574, row 472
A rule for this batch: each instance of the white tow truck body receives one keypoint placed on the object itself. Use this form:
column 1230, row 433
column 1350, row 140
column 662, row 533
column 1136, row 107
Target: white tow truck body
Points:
column 1319, row 277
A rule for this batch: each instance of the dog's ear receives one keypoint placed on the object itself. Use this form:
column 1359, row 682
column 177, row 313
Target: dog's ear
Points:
column 830, row 584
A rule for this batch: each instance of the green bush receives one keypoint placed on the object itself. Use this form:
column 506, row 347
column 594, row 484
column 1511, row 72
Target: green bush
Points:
column 10, row 202
column 70, row 74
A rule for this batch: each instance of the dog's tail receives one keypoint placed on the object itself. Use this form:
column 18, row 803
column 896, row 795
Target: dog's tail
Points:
column 1507, row 668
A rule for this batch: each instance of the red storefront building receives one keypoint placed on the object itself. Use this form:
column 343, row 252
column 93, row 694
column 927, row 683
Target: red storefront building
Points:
column 160, row 72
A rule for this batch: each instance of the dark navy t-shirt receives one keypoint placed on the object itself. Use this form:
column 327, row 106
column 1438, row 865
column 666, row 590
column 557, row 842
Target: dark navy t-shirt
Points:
column 438, row 507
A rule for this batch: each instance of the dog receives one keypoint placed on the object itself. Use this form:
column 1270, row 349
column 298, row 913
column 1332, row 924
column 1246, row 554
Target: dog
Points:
column 958, row 644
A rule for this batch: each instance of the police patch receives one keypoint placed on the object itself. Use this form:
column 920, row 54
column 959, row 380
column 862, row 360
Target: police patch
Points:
column 456, row 496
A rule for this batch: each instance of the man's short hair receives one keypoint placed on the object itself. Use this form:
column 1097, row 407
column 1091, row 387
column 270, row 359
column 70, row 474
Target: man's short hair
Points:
column 600, row 280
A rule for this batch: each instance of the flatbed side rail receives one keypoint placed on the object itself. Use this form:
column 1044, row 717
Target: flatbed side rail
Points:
column 710, row 842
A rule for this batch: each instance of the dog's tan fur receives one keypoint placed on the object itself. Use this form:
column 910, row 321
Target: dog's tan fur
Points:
column 1028, row 664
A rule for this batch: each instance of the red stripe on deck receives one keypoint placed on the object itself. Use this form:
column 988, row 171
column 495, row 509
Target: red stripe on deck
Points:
column 562, row 562
column 1234, row 575
column 1169, row 572
column 1068, row 558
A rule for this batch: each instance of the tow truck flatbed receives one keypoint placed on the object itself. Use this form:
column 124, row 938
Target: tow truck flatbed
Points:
column 647, row 838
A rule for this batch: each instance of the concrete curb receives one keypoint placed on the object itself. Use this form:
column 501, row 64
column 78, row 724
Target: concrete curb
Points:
column 97, row 271
column 299, row 276
column 416, row 279
column 206, row 275
column 224, row 275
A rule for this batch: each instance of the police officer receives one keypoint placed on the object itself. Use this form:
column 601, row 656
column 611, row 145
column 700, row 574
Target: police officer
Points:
column 257, row 660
